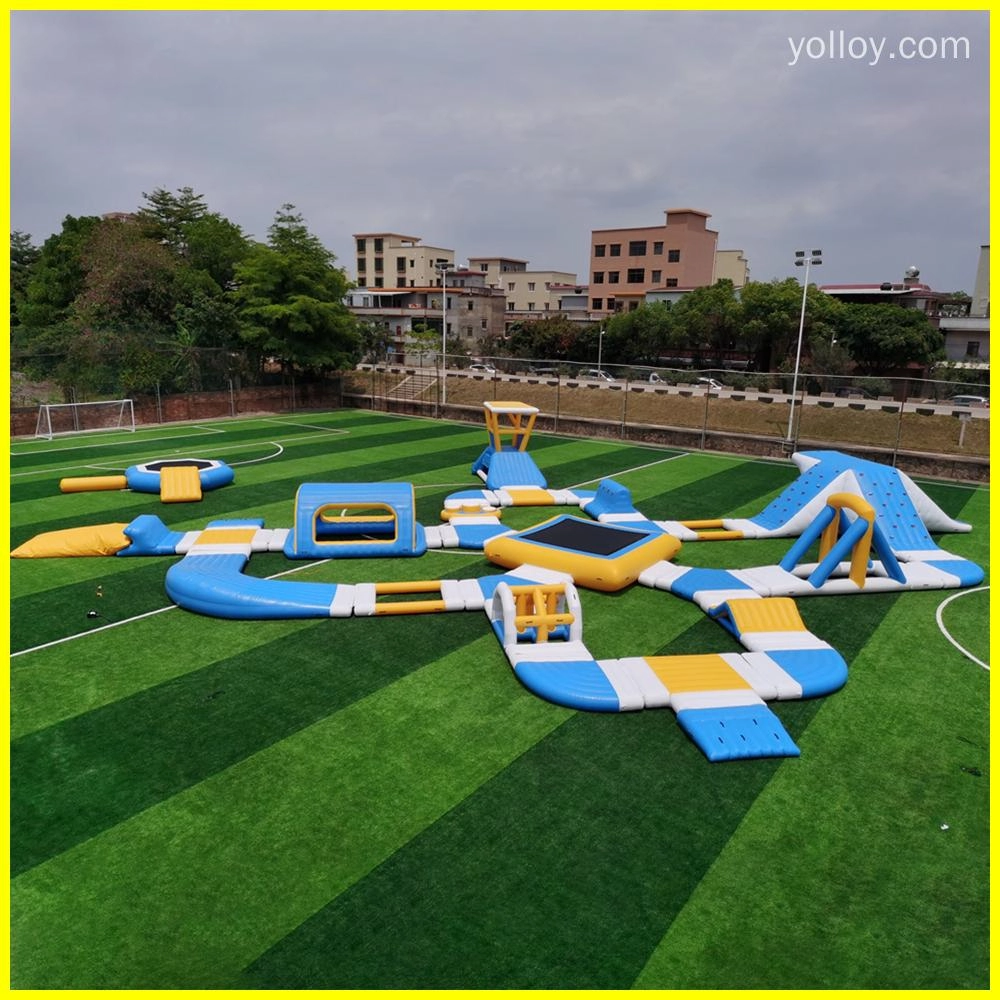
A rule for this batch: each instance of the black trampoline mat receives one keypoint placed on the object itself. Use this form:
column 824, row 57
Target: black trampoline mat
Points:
column 178, row 463
column 588, row 537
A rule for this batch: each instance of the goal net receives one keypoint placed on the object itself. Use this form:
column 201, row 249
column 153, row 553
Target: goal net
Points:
column 79, row 418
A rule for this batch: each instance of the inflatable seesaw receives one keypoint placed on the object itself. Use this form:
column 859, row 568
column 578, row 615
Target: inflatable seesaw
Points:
column 534, row 608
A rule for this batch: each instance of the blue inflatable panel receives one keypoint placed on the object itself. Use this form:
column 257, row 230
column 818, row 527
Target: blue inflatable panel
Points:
column 573, row 683
column 818, row 671
column 967, row 572
column 697, row 579
column 488, row 584
column 610, row 498
column 482, row 463
column 472, row 495
column 475, row 536
column 149, row 536
column 513, row 468
column 216, row 585
column 739, row 732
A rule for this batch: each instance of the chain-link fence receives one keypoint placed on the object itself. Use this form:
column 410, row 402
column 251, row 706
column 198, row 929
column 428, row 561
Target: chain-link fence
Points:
column 721, row 409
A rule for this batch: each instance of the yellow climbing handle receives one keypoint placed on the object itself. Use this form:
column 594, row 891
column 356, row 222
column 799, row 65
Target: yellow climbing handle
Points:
column 862, row 549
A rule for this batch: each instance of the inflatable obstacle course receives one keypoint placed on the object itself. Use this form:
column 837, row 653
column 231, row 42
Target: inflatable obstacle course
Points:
column 179, row 480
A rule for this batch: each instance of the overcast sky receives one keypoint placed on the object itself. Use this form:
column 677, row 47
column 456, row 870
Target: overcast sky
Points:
column 517, row 133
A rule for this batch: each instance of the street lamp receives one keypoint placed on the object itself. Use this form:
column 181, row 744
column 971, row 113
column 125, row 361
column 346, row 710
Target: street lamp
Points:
column 801, row 260
column 443, row 267
column 600, row 344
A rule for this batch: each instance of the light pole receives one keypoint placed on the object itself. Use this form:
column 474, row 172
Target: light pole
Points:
column 443, row 267
column 600, row 344
column 801, row 259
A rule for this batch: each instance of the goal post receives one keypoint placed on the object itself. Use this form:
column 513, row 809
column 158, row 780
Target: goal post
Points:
column 81, row 418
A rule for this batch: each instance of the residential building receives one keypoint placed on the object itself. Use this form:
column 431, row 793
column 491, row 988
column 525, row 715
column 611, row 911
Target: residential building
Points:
column 529, row 294
column 392, row 260
column 626, row 263
column 732, row 264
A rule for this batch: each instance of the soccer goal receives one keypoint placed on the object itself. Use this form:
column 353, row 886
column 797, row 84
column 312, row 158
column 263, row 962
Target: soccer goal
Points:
column 80, row 418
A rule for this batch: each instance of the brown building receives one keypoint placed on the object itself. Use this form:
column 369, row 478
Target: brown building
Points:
column 627, row 263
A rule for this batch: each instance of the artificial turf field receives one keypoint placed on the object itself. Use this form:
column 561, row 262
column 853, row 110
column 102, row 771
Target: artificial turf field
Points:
column 377, row 803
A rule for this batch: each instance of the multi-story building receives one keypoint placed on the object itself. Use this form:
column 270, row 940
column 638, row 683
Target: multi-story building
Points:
column 391, row 260
column 529, row 294
column 626, row 263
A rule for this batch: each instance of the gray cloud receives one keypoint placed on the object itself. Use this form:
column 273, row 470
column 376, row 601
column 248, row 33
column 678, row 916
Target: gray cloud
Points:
column 517, row 133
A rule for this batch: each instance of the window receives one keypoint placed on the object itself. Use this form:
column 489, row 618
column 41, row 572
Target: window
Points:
column 972, row 349
column 636, row 275
column 531, row 286
column 484, row 267
column 597, row 304
column 658, row 248
column 378, row 245
column 613, row 277
column 637, row 248
column 616, row 249
column 412, row 262
column 612, row 306
column 656, row 277
column 598, row 277
column 401, row 264
column 471, row 305
column 379, row 283
column 531, row 307
column 482, row 323
column 671, row 282
column 361, row 245
column 673, row 256
column 510, row 286
column 361, row 265
column 599, row 249
column 378, row 265
column 510, row 307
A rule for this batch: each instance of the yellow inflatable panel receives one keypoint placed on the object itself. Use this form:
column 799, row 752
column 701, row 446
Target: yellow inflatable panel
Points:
column 89, row 484
column 180, row 484
column 767, row 614
column 95, row 540
column 706, row 672
column 530, row 497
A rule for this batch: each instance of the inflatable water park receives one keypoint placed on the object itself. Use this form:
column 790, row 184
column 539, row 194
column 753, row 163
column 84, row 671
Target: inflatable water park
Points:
column 867, row 527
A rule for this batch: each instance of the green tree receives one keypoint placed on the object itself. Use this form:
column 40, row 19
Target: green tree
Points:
column 642, row 335
column 55, row 279
column 23, row 257
column 709, row 319
column 166, row 216
column 886, row 336
column 550, row 338
column 291, row 299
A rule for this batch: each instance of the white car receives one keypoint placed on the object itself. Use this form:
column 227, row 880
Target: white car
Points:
column 711, row 383
column 489, row 369
column 598, row 373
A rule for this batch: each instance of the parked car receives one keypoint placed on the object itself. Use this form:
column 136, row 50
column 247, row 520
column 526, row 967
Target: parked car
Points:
column 653, row 377
column 853, row 392
column 547, row 372
column 488, row 369
column 969, row 401
column 599, row 373
column 711, row 383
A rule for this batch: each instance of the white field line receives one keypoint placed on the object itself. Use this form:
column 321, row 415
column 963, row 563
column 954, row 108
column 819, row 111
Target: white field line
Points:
column 625, row 472
column 940, row 621
column 146, row 614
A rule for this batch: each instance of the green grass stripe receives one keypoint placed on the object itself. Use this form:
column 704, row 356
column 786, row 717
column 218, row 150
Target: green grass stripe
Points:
column 129, row 587
column 190, row 891
column 95, row 770
column 562, row 872
column 85, row 673
column 846, row 844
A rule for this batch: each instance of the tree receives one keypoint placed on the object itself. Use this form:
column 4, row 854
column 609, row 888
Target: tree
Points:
column 291, row 299
column 549, row 338
column 885, row 336
column 709, row 318
column 642, row 335
column 166, row 216
column 23, row 257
